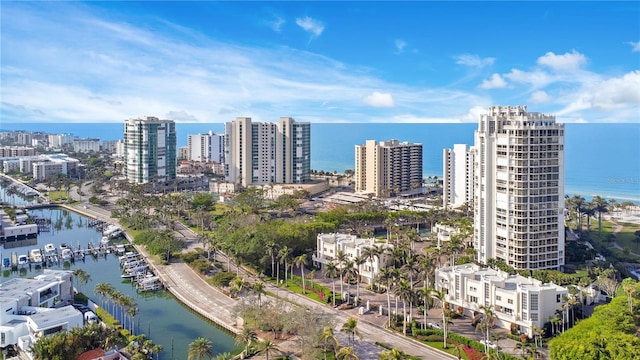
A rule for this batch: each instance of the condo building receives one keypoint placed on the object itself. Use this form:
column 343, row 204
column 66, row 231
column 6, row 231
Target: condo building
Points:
column 388, row 168
column 206, row 147
column 352, row 246
column 515, row 300
column 457, row 170
column 519, row 188
column 258, row 153
column 87, row 145
column 149, row 150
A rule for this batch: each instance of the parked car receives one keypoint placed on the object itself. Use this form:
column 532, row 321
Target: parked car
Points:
column 489, row 344
column 435, row 325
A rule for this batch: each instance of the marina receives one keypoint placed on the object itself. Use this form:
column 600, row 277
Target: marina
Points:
column 165, row 320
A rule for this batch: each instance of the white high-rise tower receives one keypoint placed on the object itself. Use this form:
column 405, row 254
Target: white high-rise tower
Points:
column 519, row 188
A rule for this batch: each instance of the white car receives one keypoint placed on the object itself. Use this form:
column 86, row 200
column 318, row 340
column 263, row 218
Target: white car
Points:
column 435, row 325
column 489, row 344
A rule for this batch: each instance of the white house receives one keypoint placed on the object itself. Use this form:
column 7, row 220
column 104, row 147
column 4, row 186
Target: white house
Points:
column 33, row 308
column 513, row 298
column 328, row 246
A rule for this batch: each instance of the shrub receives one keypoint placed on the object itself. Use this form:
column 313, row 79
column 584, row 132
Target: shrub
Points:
column 201, row 265
column 221, row 279
column 190, row 257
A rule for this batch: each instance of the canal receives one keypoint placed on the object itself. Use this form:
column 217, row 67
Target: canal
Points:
column 161, row 317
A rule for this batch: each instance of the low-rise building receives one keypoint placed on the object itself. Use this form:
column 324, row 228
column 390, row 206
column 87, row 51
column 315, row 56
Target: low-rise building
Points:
column 33, row 308
column 329, row 245
column 516, row 301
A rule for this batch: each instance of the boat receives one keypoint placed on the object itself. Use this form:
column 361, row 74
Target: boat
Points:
column 135, row 271
column 120, row 249
column 63, row 246
column 35, row 255
column 67, row 254
column 6, row 262
column 49, row 249
column 105, row 241
column 23, row 259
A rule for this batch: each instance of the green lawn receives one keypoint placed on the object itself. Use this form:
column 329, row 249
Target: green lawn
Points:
column 58, row 195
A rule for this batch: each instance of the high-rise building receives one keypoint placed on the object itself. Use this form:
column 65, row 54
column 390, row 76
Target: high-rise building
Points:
column 149, row 150
column 519, row 194
column 206, row 147
column 457, row 170
column 387, row 168
column 265, row 153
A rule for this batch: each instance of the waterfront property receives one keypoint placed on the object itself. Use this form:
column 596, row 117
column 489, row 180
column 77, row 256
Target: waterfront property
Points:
column 457, row 175
column 352, row 246
column 16, row 230
column 519, row 188
column 33, row 308
column 515, row 300
column 258, row 153
column 388, row 168
column 149, row 150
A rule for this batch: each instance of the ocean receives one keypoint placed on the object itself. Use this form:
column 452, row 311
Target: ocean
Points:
column 600, row 159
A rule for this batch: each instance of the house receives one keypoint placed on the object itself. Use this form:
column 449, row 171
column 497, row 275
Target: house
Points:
column 516, row 301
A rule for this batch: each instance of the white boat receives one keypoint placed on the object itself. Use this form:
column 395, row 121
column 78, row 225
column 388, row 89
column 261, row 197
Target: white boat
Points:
column 130, row 255
column 35, row 255
column 49, row 249
column 67, row 254
column 111, row 231
column 105, row 241
column 120, row 249
column 23, row 259
column 63, row 246
column 135, row 271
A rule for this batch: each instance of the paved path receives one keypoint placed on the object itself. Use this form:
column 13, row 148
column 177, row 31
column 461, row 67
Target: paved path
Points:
column 194, row 292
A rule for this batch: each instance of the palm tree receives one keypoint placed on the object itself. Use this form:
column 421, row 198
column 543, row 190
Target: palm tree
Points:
column 103, row 290
column 200, row 348
column 350, row 327
column 246, row 337
column 266, row 346
column 341, row 257
column 386, row 275
column 350, row 273
column 488, row 318
column 600, row 206
column 283, row 257
column 82, row 276
column 629, row 286
column 347, row 353
column 223, row 356
column 358, row 260
column 441, row 296
column 328, row 338
column 302, row 261
column 272, row 251
column 393, row 354
column 331, row 271
column 403, row 291
column 258, row 287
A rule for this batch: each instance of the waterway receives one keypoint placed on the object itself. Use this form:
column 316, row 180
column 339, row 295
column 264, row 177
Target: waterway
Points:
column 165, row 320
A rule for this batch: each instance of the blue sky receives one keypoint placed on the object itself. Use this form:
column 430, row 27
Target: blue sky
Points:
column 363, row 61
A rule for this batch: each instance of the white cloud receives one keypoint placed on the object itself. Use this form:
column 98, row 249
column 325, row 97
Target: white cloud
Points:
column 496, row 81
column 565, row 62
column 276, row 24
column 313, row 26
column 378, row 99
column 474, row 60
column 635, row 46
column 400, row 45
column 539, row 97
column 181, row 116
column 618, row 92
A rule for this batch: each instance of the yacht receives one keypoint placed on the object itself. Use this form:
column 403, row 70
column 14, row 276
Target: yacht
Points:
column 105, row 241
column 49, row 249
column 67, row 254
column 63, row 246
column 35, row 255
column 23, row 259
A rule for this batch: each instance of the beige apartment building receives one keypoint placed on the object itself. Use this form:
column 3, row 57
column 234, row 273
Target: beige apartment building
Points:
column 388, row 168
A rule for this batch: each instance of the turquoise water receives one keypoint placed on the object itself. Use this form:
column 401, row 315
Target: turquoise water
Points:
column 600, row 159
column 160, row 316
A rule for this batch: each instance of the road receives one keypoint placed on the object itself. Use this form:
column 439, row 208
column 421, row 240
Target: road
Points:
column 213, row 304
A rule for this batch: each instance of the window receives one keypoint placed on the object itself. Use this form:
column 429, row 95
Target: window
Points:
column 533, row 305
column 558, row 298
column 509, row 301
column 498, row 297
